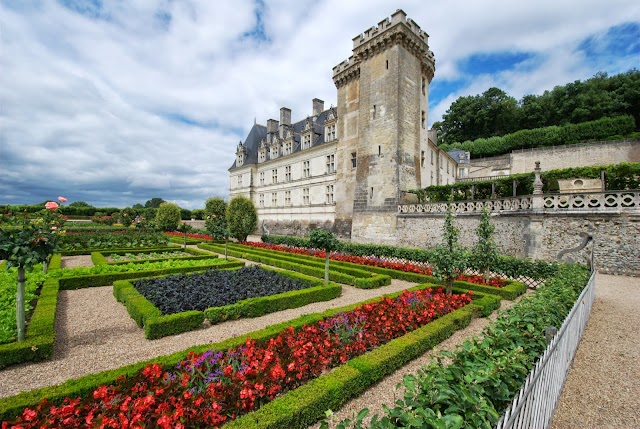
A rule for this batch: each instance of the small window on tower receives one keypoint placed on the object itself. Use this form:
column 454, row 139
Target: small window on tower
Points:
column 422, row 159
column 354, row 160
column 422, row 121
column 387, row 64
column 374, row 111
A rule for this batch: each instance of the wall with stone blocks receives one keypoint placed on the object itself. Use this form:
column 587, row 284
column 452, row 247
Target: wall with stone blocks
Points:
column 616, row 237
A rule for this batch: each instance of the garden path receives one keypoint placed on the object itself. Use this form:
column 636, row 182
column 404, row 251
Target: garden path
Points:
column 603, row 385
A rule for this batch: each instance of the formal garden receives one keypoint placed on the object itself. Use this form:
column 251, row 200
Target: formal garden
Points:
column 290, row 372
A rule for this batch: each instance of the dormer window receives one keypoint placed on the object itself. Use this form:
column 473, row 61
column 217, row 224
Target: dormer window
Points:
column 330, row 132
column 274, row 150
column 241, row 153
column 306, row 141
column 288, row 148
column 262, row 155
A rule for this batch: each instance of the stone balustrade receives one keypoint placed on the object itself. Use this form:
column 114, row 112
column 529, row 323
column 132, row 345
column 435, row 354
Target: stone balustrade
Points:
column 592, row 202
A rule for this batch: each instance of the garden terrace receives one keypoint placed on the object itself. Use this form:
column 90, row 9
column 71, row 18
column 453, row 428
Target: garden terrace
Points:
column 353, row 275
column 174, row 304
column 309, row 399
column 40, row 334
column 511, row 289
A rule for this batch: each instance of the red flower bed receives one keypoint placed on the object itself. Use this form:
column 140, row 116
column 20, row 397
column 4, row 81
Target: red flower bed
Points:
column 211, row 388
column 375, row 262
column 190, row 235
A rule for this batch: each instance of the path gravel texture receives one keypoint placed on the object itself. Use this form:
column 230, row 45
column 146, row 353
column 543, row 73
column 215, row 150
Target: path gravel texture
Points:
column 602, row 389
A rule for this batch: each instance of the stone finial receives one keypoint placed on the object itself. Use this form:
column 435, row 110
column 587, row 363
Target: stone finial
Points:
column 537, row 183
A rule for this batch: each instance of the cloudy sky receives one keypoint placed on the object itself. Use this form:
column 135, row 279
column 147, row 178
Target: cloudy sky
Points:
column 116, row 102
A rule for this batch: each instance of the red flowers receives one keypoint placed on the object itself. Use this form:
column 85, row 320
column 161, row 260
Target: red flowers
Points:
column 210, row 388
column 375, row 262
column 191, row 235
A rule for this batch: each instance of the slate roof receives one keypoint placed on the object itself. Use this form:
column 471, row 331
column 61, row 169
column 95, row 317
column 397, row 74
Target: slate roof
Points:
column 259, row 132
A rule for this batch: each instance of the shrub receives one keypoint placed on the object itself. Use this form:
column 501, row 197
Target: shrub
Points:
column 242, row 217
column 168, row 217
column 450, row 259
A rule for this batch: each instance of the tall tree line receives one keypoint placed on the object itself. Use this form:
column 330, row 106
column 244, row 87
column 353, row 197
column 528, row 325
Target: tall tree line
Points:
column 495, row 113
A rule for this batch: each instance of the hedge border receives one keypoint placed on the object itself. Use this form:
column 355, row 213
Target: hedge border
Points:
column 95, row 280
column 40, row 335
column 302, row 266
column 13, row 405
column 99, row 258
column 121, row 249
column 512, row 290
column 157, row 325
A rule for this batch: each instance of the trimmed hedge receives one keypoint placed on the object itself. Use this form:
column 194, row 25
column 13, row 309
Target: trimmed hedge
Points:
column 38, row 343
column 357, row 277
column 99, row 258
column 294, row 409
column 88, row 251
column 547, row 136
column 506, row 266
column 80, row 282
column 255, row 307
column 156, row 325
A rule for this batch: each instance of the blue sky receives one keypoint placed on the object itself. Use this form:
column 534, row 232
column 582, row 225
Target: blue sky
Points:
column 116, row 102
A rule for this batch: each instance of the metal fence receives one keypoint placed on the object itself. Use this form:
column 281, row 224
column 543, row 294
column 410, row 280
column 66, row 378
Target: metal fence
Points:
column 534, row 405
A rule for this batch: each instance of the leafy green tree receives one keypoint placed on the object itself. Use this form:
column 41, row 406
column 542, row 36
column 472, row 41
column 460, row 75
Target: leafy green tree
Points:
column 485, row 252
column 168, row 216
column 215, row 215
column 197, row 214
column 242, row 217
column 449, row 259
column 324, row 239
column 154, row 203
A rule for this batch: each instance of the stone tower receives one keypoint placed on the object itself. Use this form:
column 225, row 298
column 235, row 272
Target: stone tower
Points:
column 382, row 107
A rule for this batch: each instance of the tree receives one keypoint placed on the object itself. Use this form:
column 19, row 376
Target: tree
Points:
column 215, row 215
column 154, row 203
column 324, row 239
column 485, row 252
column 26, row 242
column 449, row 259
column 185, row 228
column 242, row 217
column 168, row 216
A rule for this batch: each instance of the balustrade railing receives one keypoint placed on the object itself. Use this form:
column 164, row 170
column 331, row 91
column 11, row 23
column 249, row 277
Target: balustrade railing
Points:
column 612, row 201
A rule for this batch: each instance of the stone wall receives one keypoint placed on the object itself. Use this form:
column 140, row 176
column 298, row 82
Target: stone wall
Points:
column 616, row 237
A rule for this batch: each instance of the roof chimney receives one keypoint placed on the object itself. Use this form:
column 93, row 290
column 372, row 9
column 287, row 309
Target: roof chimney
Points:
column 318, row 106
column 285, row 116
column 272, row 126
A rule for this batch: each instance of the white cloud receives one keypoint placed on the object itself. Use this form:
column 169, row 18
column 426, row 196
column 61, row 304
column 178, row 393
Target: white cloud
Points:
column 90, row 102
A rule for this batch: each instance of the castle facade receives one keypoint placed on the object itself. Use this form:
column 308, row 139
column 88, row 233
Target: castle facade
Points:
column 348, row 167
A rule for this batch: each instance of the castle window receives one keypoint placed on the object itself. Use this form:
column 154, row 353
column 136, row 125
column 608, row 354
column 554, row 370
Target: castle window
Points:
column 387, row 64
column 447, row 166
column 274, row 151
column 331, row 165
column 330, row 133
column 261, row 200
column 423, row 120
column 262, row 155
column 240, row 159
column 306, row 141
column 262, row 178
column 288, row 148
column 431, row 157
column 374, row 111
column 305, row 196
column 274, row 175
column 371, row 194
column 422, row 158
column 329, row 199
column 240, row 181
column 274, row 199
column 354, row 160
column 305, row 169
column 424, row 86
column 287, row 173
column 287, row 198
column 379, row 150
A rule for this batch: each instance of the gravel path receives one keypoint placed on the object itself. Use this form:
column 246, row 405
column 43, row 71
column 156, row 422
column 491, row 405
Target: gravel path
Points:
column 603, row 386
